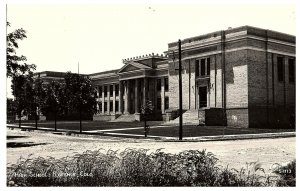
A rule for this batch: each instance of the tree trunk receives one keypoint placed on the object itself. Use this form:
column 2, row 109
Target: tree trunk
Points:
column 36, row 119
column 80, row 120
column 20, row 113
column 145, row 125
column 55, row 121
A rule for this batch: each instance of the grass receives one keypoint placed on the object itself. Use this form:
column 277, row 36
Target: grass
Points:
column 136, row 167
column 86, row 125
column 168, row 131
column 195, row 131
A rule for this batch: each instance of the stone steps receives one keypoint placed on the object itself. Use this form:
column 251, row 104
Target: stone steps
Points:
column 125, row 118
column 189, row 117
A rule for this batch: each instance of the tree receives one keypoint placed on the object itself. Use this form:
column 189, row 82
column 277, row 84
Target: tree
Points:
column 39, row 97
column 16, row 65
column 52, row 101
column 81, row 95
column 23, row 93
column 146, row 110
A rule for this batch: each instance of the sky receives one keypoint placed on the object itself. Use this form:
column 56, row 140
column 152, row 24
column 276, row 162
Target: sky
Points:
column 99, row 36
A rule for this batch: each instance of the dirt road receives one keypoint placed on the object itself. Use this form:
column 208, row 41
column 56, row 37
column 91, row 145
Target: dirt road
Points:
column 233, row 153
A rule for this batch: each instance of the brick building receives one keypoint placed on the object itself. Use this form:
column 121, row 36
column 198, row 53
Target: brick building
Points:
column 241, row 77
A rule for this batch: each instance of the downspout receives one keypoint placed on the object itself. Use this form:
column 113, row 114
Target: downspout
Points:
column 223, row 75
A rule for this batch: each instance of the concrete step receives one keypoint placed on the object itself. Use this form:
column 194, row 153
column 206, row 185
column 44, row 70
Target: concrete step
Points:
column 189, row 117
column 125, row 118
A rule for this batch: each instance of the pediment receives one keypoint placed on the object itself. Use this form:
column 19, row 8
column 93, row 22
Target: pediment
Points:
column 132, row 66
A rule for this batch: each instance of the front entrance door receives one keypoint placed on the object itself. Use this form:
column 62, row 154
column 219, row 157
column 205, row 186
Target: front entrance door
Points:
column 202, row 96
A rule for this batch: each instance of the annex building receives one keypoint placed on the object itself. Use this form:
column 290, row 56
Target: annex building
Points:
column 241, row 77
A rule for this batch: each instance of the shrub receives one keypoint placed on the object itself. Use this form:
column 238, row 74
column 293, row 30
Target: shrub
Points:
column 133, row 167
column 287, row 174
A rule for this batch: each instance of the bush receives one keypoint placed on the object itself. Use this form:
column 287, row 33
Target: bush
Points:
column 287, row 174
column 133, row 167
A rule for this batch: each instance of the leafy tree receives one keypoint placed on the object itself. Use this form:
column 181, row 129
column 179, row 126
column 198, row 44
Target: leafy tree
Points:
column 39, row 97
column 10, row 109
column 52, row 102
column 23, row 93
column 81, row 95
column 16, row 65
column 146, row 110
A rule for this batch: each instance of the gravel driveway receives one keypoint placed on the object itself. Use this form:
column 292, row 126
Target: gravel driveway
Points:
column 233, row 153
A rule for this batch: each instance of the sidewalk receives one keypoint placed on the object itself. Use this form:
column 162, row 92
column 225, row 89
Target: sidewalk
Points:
column 110, row 132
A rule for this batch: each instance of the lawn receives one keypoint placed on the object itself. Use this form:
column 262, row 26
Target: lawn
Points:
column 195, row 131
column 166, row 131
column 86, row 125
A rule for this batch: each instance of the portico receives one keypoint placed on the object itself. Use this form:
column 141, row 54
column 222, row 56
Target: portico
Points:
column 129, row 88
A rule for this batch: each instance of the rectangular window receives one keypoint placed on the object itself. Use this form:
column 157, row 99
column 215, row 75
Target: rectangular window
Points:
column 117, row 106
column 105, row 106
column 111, row 106
column 208, row 66
column 280, row 69
column 158, row 84
column 166, row 84
column 158, row 105
column 202, row 69
column 197, row 68
column 166, row 102
column 111, row 90
column 291, row 70
column 105, row 91
column 117, row 89
column 100, row 91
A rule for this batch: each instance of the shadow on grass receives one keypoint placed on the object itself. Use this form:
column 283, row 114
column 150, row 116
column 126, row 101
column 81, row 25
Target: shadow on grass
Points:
column 14, row 137
column 23, row 144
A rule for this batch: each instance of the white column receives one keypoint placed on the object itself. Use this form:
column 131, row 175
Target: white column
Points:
column 162, row 95
column 126, row 98
column 114, row 98
column 108, row 99
column 121, row 96
column 103, row 100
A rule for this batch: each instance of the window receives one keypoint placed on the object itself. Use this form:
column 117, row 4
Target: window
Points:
column 111, row 89
column 202, row 67
column 100, row 91
column 291, row 70
column 208, row 66
column 111, row 106
column 105, row 106
column 166, row 84
column 158, row 84
column 166, row 102
column 158, row 105
column 197, row 68
column 105, row 91
column 117, row 106
column 117, row 89
column 280, row 69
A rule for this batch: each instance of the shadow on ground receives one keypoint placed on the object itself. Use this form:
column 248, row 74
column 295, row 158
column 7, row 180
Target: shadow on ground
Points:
column 23, row 144
column 15, row 137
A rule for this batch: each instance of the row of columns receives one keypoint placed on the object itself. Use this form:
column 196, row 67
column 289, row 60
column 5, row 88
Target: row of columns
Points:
column 140, row 87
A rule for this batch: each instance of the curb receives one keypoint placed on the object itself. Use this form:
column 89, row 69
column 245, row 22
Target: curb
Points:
column 168, row 139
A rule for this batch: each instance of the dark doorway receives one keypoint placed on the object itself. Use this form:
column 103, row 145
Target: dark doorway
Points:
column 202, row 96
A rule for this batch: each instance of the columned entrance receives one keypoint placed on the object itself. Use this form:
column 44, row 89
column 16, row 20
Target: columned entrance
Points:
column 134, row 95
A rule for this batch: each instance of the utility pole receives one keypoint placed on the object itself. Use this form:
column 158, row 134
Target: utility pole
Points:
column 180, row 91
